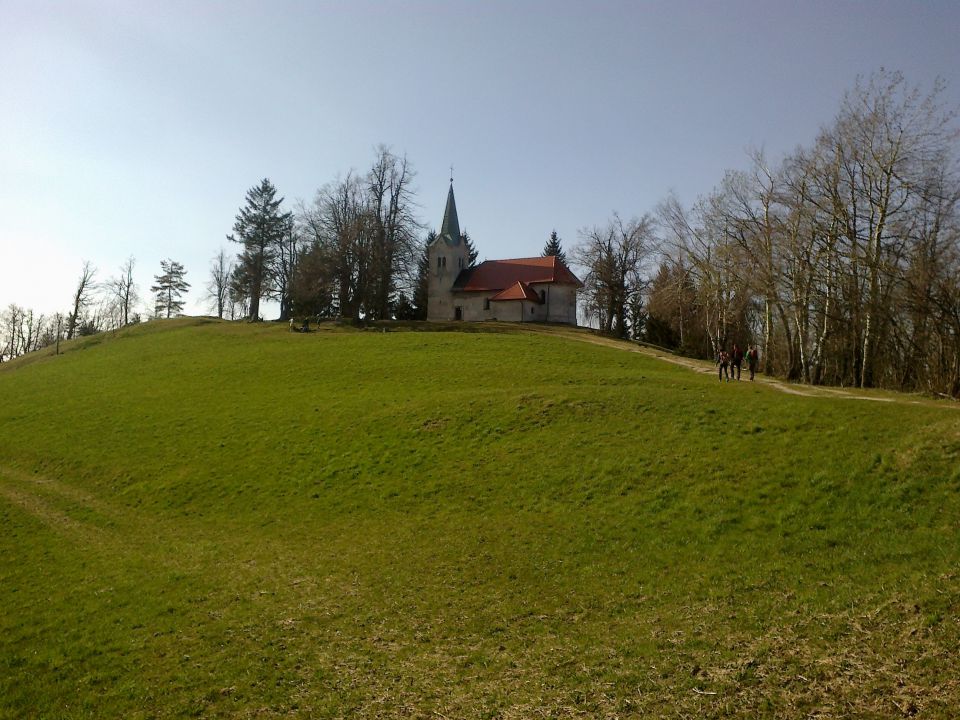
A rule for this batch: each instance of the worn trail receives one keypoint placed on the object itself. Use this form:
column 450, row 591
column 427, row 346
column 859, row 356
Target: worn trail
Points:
column 780, row 385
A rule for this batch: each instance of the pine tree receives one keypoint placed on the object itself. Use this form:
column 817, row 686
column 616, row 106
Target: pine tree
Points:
column 421, row 289
column 553, row 247
column 260, row 227
column 169, row 289
column 403, row 309
column 471, row 250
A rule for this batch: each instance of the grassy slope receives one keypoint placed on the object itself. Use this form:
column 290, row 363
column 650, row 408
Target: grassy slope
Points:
column 235, row 521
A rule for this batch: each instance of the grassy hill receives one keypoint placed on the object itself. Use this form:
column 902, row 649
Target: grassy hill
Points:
column 224, row 520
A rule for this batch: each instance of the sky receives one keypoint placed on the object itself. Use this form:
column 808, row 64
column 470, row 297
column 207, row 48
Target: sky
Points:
column 134, row 128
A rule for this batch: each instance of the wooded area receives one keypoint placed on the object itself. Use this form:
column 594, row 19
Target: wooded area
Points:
column 361, row 244
column 841, row 262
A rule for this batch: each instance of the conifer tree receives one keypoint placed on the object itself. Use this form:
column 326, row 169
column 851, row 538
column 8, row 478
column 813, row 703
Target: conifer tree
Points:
column 553, row 247
column 260, row 227
column 421, row 288
column 169, row 289
column 471, row 250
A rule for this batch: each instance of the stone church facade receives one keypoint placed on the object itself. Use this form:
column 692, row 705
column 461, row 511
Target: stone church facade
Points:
column 536, row 289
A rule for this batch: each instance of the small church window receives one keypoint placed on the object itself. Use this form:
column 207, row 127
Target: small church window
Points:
column 543, row 296
column 459, row 263
column 444, row 261
column 486, row 303
column 438, row 263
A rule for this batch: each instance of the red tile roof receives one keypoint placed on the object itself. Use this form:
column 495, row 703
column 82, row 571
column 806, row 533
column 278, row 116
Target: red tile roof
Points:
column 518, row 291
column 502, row 274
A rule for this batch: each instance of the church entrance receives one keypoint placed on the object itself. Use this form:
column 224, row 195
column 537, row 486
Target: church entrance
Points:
column 458, row 313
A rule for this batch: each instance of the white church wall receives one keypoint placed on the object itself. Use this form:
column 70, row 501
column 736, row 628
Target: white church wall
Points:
column 559, row 306
column 562, row 306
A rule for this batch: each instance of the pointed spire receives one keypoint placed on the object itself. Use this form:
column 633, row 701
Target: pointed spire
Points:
column 450, row 229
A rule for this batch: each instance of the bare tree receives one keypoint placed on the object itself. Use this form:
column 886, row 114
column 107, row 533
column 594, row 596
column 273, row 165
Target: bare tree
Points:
column 700, row 240
column 123, row 292
column 218, row 286
column 314, row 284
column 282, row 268
column 877, row 169
column 395, row 246
column 613, row 257
column 363, row 238
column 11, row 332
column 671, row 309
column 82, row 297
column 23, row 331
column 341, row 233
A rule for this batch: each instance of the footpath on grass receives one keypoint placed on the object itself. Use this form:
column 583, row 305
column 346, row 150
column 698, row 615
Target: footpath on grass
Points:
column 706, row 368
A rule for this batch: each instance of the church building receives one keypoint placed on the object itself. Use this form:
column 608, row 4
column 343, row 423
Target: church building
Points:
column 537, row 289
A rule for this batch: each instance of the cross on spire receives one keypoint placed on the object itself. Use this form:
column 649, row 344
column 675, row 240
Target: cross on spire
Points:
column 451, row 173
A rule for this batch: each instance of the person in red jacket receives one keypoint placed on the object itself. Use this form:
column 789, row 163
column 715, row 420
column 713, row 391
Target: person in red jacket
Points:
column 723, row 360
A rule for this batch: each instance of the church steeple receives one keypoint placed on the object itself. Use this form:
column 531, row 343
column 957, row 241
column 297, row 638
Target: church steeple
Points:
column 447, row 257
column 450, row 228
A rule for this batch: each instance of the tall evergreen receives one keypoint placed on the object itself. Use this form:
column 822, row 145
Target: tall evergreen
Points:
column 553, row 247
column 422, row 286
column 260, row 227
column 471, row 250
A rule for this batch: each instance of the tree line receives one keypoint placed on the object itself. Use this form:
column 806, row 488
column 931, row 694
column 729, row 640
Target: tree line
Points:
column 96, row 307
column 841, row 262
column 356, row 251
column 352, row 252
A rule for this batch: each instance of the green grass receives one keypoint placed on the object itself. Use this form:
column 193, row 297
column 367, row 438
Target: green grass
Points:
column 224, row 520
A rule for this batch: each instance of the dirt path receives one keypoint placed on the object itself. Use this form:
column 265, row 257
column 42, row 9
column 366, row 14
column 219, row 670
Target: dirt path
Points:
column 783, row 386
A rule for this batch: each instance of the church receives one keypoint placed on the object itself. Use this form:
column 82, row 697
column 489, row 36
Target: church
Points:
column 536, row 289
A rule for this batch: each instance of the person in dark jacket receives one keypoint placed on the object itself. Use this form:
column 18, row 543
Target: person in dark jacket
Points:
column 736, row 361
column 753, row 358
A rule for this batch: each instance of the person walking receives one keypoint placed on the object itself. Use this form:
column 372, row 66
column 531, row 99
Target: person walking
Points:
column 723, row 360
column 753, row 357
column 736, row 361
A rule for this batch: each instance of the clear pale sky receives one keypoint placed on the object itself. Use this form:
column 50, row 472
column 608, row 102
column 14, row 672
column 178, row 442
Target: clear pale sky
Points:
column 135, row 128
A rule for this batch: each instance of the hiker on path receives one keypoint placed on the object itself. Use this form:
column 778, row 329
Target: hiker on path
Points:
column 736, row 361
column 723, row 360
column 753, row 358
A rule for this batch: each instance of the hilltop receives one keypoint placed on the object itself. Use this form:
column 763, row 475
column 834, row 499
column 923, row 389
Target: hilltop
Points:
column 230, row 520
